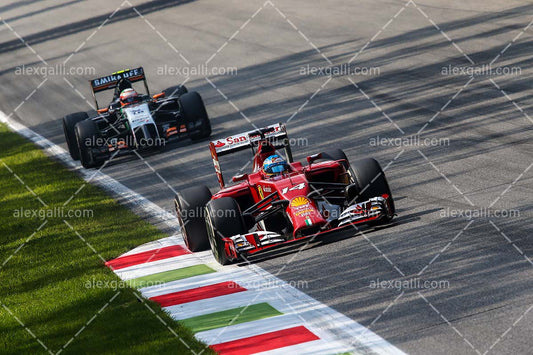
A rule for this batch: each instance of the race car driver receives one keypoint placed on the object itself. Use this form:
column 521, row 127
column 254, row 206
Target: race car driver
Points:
column 128, row 97
column 274, row 166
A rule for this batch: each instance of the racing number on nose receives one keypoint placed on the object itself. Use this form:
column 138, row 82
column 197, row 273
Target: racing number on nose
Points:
column 296, row 187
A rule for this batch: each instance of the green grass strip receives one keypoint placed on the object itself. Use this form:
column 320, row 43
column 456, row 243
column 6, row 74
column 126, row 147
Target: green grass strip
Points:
column 53, row 278
column 171, row 275
column 223, row 318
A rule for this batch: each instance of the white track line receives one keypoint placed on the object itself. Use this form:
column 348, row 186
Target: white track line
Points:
column 312, row 313
column 156, row 244
column 154, row 267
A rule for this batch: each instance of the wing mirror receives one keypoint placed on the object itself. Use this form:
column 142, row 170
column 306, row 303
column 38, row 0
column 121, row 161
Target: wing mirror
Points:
column 239, row 177
column 312, row 158
column 158, row 96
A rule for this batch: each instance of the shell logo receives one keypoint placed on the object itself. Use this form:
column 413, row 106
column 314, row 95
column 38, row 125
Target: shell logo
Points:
column 299, row 201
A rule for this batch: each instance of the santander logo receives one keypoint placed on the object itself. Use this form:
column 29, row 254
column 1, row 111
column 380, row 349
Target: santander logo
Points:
column 219, row 144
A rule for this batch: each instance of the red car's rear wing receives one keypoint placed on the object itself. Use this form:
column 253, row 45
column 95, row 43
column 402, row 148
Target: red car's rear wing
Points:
column 241, row 141
column 110, row 81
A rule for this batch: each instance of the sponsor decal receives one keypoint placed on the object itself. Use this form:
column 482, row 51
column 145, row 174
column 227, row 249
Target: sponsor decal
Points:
column 296, row 187
column 260, row 189
column 236, row 139
column 300, row 212
column 300, row 201
column 301, row 207
column 308, row 221
column 272, row 130
column 244, row 138
column 232, row 140
column 138, row 115
column 267, row 189
column 117, row 76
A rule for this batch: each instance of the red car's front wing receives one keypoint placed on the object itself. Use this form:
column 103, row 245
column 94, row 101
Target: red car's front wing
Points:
column 232, row 252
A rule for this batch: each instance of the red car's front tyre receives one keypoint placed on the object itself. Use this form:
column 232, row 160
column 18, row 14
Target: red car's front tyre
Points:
column 223, row 220
column 189, row 205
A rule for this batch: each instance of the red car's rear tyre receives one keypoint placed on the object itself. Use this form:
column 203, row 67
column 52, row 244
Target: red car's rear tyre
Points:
column 338, row 154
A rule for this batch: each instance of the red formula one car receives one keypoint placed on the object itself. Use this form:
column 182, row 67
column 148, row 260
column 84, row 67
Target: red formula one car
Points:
column 261, row 209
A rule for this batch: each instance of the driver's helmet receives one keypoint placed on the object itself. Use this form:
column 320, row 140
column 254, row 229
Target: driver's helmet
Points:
column 275, row 165
column 128, row 97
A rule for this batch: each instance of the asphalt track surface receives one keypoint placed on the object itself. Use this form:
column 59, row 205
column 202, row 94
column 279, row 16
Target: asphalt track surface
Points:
column 485, row 262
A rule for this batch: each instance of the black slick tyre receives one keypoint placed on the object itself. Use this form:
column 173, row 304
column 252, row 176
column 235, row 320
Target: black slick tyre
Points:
column 224, row 220
column 69, row 123
column 371, row 182
column 190, row 209
column 87, row 135
column 175, row 91
column 193, row 109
